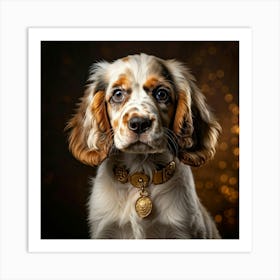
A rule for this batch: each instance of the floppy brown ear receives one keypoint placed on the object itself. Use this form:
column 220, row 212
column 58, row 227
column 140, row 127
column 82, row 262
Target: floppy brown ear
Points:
column 194, row 125
column 89, row 139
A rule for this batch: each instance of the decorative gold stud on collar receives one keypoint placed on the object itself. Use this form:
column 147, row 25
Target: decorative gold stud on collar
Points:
column 140, row 180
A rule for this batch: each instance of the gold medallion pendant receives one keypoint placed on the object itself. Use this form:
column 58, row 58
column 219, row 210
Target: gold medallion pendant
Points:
column 143, row 206
column 141, row 181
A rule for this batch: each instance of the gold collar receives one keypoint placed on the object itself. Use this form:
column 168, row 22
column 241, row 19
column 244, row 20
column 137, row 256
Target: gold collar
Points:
column 140, row 180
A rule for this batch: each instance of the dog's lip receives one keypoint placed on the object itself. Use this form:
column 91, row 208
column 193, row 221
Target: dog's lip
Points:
column 139, row 147
column 137, row 143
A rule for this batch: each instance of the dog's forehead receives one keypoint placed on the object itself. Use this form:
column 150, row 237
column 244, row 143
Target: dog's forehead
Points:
column 136, row 68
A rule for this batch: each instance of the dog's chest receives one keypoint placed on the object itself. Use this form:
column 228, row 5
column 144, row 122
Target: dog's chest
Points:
column 112, row 204
column 115, row 206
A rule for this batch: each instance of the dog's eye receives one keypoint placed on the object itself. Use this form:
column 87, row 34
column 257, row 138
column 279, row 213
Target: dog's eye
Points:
column 161, row 95
column 118, row 96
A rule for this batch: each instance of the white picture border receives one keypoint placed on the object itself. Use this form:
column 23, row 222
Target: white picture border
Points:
column 243, row 35
column 262, row 17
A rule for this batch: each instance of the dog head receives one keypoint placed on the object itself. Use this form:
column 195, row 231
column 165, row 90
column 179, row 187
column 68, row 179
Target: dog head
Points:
column 142, row 104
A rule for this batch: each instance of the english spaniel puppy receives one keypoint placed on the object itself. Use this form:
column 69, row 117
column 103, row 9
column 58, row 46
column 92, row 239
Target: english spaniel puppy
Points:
column 144, row 122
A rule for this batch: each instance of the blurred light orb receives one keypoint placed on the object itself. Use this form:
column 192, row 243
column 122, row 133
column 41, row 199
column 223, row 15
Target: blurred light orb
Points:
column 228, row 97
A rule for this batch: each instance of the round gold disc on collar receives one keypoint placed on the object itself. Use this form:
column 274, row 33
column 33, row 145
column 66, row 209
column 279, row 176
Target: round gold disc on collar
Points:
column 139, row 180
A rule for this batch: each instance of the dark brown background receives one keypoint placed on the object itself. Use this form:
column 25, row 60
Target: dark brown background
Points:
column 64, row 69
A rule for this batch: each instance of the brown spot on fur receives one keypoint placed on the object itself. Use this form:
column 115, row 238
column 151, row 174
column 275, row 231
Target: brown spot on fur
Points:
column 123, row 82
column 125, row 59
column 151, row 83
column 134, row 112
column 125, row 119
column 115, row 124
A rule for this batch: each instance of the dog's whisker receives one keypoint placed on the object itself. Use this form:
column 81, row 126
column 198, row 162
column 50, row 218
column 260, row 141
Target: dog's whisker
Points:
column 171, row 141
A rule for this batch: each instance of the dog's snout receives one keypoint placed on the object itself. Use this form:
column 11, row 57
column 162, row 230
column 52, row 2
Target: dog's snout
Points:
column 139, row 124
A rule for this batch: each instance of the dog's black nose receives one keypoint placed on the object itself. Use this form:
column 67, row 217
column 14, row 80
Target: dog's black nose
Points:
column 139, row 125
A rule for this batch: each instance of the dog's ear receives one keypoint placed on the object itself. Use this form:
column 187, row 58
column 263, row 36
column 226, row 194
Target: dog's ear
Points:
column 194, row 125
column 89, row 139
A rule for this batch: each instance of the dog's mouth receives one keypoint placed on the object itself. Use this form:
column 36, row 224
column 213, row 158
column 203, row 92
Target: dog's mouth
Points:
column 141, row 148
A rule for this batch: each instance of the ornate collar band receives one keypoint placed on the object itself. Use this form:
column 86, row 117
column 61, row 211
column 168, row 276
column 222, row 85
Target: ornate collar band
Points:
column 140, row 180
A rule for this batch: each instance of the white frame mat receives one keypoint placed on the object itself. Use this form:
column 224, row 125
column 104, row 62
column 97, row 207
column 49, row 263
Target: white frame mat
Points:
column 36, row 35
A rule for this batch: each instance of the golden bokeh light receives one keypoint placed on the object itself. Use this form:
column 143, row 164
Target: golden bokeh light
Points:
column 223, row 146
column 235, row 129
column 232, row 180
column 235, row 151
column 229, row 193
column 222, row 164
column 235, row 110
column 220, row 74
column 224, row 189
column 228, row 97
column 231, row 106
column 229, row 212
column 218, row 218
column 205, row 88
column 224, row 178
column 211, row 76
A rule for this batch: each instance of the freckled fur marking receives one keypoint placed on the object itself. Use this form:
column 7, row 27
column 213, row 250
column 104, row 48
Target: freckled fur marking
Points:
column 125, row 59
column 125, row 118
column 115, row 124
column 130, row 115
column 122, row 82
column 151, row 83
